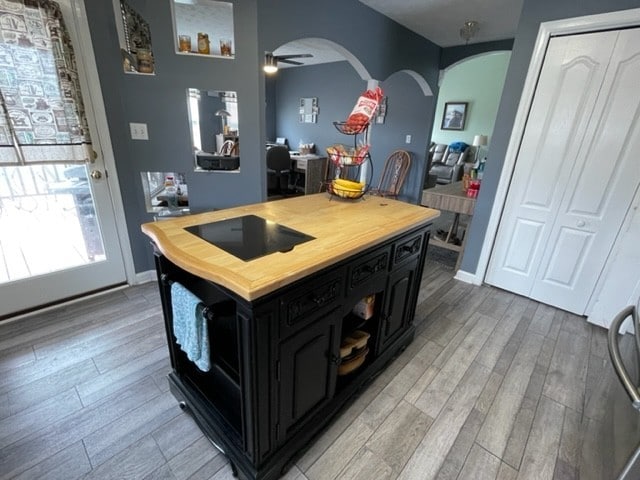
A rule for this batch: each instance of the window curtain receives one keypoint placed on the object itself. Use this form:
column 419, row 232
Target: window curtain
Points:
column 42, row 119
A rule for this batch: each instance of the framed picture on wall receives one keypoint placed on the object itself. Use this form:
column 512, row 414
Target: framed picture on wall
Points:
column 454, row 116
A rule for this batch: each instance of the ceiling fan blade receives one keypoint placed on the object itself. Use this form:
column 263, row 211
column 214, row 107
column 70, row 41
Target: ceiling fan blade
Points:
column 299, row 55
column 290, row 62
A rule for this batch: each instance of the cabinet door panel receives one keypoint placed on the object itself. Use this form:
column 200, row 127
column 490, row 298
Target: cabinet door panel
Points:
column 397, row 304
column 307, row 372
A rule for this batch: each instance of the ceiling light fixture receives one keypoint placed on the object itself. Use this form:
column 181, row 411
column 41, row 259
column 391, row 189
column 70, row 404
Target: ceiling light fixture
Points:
column 469, row 30
column 270, row 63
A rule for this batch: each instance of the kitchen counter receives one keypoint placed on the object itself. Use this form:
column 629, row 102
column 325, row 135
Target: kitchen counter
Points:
column 341, row 229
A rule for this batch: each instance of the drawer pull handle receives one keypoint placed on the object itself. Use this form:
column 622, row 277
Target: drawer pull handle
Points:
column 326, row 297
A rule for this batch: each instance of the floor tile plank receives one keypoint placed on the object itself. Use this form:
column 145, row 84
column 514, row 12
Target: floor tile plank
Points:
column 135, row 462
column 568, row 370
column 44, row 388
column 399, row 435
column 137, row 423
column 439, row 390
column 457, row 455
column 495, row 432
column 194, row 457
column 542, row 319
column 32, row 419
column 340, row 453
column 32, row 449
column 432, row 451
column 365, row 466
column 541, row 451
column 492, row 350
column 68, row 464
column 480, row 465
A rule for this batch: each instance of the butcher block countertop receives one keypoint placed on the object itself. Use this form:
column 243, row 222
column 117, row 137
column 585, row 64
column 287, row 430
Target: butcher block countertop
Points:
column 341, row 229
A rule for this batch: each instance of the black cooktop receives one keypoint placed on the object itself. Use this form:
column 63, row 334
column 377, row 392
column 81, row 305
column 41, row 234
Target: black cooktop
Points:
column 250, row 236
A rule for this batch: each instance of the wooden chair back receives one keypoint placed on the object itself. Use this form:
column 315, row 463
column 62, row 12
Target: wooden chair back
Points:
column 393, row 175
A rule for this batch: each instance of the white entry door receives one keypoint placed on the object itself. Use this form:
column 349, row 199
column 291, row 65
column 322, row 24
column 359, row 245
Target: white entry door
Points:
column 58, row 235
column 576, row 172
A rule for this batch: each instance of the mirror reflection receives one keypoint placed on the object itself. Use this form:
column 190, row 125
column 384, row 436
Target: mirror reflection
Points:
column 213, row 116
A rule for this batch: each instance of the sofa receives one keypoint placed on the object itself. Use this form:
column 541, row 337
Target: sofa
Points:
column 447, row 161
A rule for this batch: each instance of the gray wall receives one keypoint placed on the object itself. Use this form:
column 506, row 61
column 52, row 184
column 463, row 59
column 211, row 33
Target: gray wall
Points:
column 409, row 112
column 160, row 100
column 384, row 48
column 451, row 55
column 534, row 12
column 334, row 103
column 382, row 45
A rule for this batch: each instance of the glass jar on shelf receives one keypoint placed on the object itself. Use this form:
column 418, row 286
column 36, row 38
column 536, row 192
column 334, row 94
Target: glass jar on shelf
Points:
column 203, row 43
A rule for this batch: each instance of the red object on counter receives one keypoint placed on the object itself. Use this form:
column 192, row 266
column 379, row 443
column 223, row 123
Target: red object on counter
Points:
column 474, row 188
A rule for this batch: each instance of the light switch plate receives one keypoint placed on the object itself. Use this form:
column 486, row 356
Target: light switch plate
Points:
column 139, row 131
column 407, row 139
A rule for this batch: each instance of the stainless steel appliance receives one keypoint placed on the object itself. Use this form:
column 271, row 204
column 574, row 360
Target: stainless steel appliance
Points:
column 619, row 435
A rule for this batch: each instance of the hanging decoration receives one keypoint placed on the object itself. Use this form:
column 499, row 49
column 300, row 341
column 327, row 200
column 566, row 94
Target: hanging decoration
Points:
column 42, row 119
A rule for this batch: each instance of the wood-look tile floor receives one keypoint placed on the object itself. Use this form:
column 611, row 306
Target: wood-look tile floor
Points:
column 494, row 386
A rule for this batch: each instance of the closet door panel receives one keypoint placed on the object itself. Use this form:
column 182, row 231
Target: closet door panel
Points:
column 568, row 88
column 603, row 182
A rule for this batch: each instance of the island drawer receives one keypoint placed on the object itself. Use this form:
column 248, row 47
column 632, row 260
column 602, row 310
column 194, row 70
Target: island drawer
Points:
column 305, row 302
column 369, row 266
column 408, row 248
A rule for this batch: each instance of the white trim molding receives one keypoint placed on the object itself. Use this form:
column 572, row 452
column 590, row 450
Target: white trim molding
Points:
column 102, row 132
column 467, row 277
column 568, row 26
column 145, row 277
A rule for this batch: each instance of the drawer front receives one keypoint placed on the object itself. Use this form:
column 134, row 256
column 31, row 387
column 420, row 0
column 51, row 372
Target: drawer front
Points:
column 304, row 303
column 408, row 248
column 368, row 267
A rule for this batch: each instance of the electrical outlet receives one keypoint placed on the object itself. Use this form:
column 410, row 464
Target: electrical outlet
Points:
column 407, row 139
column 139, row 131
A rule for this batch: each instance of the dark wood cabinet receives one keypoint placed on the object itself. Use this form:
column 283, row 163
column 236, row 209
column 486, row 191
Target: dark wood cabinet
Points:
column 274, row 382
column 396, row 311
column 307, row 366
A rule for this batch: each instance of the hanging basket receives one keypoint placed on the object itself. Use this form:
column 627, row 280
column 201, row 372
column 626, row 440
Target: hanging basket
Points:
column 343, row 155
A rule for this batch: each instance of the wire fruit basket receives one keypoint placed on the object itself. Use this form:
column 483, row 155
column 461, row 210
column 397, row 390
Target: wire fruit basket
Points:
column 350, row 128
column 342, row 155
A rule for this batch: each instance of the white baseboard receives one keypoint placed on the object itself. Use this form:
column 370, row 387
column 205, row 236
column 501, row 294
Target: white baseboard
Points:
column 145, row 277
column 468, row 277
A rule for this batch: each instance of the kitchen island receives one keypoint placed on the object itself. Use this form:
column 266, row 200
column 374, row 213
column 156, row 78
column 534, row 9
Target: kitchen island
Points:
column 323, row 299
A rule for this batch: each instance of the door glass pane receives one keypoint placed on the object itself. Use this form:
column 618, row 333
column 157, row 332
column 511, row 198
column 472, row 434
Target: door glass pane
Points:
column 47, row 220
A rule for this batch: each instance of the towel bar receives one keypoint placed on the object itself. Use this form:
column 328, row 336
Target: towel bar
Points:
column 209, row 311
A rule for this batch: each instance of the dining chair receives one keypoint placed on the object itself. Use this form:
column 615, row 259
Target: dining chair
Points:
column 393, row 175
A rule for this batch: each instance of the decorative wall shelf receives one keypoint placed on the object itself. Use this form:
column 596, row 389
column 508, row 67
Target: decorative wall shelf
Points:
column 134, row 35
column 203, row 28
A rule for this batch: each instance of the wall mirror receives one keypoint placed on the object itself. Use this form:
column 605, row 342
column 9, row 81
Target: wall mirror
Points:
column 203, row 27
column 165, row 193
column 213, row 119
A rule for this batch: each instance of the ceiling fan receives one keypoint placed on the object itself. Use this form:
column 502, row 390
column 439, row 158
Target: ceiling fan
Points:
column 271, row 60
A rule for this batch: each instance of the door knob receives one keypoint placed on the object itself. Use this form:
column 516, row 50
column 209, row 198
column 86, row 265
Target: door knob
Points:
column 96, row 174
column 581, row 223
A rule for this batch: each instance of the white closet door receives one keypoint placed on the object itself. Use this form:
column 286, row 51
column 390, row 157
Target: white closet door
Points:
column 570, row 188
